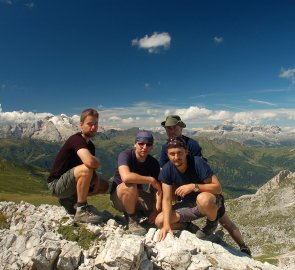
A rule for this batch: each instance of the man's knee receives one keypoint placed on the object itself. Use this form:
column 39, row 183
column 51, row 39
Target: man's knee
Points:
column 127, row 190
column 83, row 171
column 206, row 200
column 159, row 220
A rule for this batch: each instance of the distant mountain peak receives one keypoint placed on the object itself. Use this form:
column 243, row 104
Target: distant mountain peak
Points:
column 275, row 182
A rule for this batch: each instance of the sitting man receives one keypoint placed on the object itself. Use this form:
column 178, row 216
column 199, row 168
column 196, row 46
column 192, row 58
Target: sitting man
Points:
column 199, row 191
column 73, row 177
column 137, row 169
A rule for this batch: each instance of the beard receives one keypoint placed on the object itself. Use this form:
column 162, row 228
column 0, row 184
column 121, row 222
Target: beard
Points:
column 90, row 134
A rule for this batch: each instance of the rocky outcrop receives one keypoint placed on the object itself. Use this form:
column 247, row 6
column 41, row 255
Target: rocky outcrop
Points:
column 30, row 239
column 275, row 182
column 266, row 219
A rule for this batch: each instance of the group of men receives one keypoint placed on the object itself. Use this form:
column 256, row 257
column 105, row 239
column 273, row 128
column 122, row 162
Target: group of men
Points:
column 169, row 194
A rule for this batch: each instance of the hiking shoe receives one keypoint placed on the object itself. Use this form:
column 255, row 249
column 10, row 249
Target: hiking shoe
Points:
column 245, row 249
column 85, row 215
column 135, row 228
column 69, row 204
column 208, row 229
column 191, row 227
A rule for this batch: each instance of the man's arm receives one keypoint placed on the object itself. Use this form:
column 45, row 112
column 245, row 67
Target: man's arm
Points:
column 88, row 159
column 211, row 185
column 129, row 177
column 166, row 211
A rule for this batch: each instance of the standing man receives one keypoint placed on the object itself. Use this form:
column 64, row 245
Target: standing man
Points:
column 200, row 194
column 173, row 126
column 73, row 177
column 137, row 168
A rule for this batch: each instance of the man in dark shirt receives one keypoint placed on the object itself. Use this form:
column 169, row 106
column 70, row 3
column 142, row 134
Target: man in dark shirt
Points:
column 191, row 179
column 73, row 177
column 137, row 169
column 173, row 126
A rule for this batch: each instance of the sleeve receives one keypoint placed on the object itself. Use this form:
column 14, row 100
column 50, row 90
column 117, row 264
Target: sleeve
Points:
column 165, row 175
column 202, row 168
column 123, row 158
column 77, row 142
column 163, row 158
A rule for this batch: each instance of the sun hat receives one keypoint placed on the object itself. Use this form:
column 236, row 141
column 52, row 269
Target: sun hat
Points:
column 172, row 120
column 144, row 137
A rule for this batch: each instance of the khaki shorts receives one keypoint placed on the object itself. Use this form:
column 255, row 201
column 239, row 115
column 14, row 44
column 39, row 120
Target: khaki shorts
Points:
column 65, row 186
column 145, row 203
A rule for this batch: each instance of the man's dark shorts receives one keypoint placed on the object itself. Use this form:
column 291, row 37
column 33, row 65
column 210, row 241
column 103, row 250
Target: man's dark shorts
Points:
column 188, row 211
column 145, row 203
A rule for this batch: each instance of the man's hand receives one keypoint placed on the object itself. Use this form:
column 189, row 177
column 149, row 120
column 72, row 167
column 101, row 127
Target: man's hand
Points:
column 184, row 190
column 163, row 232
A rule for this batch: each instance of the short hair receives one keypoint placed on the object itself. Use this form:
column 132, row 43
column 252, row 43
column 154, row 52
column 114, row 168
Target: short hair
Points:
column 87, row 112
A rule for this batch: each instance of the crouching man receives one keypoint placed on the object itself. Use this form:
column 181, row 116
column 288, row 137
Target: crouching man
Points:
column 73, row 177
column 198, row 192
column 137, row 169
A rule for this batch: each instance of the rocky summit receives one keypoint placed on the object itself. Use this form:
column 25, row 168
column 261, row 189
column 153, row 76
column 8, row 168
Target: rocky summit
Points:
column 45, row 237
column 266, row 219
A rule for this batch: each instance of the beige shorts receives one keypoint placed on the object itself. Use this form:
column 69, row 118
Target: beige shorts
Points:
column 145, row 203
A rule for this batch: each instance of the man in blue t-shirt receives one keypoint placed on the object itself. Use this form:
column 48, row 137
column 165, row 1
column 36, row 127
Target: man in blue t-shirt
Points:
column 192, row 181
column 173, row 126
column 137, row 169
column 198, row 190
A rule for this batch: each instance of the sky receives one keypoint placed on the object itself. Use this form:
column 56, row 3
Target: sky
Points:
column 138, row 61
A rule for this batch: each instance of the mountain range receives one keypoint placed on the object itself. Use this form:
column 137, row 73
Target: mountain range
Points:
column 59, row 128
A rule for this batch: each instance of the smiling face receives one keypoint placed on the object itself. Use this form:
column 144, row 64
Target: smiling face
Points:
column 177, row 155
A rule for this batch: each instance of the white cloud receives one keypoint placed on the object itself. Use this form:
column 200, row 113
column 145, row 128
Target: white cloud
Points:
column 218, row 40
column 261, row 102
column 30, row 5
column 146, row 115
column 288, row 74
column 7, row 2
column 154, row 42
column 21, row 117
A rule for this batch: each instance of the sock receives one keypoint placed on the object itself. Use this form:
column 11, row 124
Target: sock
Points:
column 81, row 204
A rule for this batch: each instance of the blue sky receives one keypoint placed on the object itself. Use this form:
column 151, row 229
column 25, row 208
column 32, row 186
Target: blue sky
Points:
column 137, row 61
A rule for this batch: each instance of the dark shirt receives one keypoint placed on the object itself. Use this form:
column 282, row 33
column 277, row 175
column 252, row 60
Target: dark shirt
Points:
column 67, row 157
column 193, row 147
column 150, row 167
column 197, row 171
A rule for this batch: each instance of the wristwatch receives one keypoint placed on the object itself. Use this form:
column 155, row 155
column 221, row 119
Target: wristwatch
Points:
column 196, row 188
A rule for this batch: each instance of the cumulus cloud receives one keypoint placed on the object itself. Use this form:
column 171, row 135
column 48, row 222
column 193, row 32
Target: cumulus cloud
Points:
column 218, row 40
column 154, row 42
column 149, row 116
column 288, row 74
column 261, row 102
column 16, row 117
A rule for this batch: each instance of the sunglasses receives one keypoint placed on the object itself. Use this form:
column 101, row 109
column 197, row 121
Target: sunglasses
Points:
column 142, row 144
